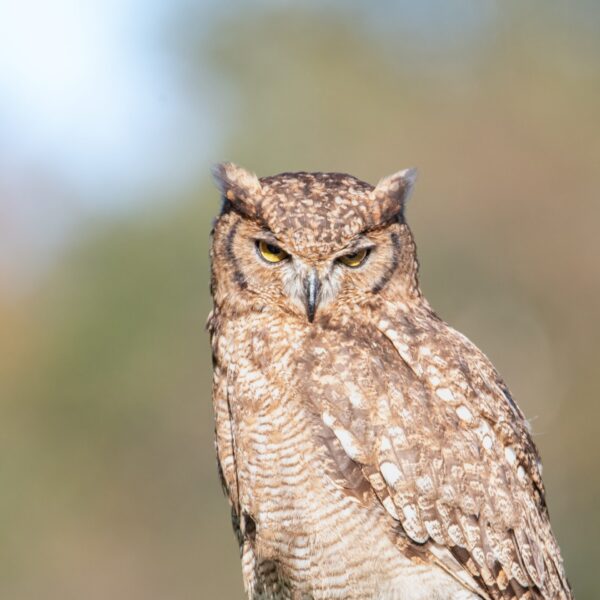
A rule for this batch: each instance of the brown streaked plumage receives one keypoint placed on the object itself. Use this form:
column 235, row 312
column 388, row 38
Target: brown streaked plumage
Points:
column 368, row 450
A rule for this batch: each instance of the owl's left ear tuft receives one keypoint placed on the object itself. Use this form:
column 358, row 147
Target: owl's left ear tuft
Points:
column 237, row 185
column 390, row 195
column 397, row 186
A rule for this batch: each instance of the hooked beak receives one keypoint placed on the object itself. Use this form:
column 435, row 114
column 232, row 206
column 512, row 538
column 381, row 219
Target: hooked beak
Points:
column 312, row 287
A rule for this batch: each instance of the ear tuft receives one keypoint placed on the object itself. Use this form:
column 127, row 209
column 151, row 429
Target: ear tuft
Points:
column 235, row 182
column 398, row 186
column 390, row 195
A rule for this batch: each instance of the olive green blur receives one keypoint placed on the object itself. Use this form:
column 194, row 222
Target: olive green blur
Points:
column 108, row 479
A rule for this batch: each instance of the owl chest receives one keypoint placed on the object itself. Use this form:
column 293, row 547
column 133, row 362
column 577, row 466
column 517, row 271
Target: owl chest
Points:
column 275, row 459
column 323, row 541
column 265, row 433
column 300, row 520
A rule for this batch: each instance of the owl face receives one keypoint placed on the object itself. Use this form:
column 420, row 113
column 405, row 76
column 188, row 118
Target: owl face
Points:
column 309, row 243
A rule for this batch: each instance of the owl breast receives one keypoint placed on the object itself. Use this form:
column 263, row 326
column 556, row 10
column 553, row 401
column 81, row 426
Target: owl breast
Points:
column 309, row 522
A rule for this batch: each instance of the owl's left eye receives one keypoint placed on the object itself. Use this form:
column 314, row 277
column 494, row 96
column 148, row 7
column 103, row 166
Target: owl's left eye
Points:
column 354, row 259
column 270, row 252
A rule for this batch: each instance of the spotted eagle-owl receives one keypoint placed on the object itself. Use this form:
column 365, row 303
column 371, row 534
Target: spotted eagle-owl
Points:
column 368, row 450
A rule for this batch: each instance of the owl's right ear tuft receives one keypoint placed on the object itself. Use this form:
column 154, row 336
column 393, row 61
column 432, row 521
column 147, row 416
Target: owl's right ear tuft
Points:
column 237, row 185
column 391, row 193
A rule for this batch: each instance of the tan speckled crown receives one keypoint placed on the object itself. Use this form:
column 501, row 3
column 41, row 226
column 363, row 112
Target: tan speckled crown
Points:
column 247, row 193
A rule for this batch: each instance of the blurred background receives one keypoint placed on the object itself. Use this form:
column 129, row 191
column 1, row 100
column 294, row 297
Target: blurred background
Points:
column 111, row 114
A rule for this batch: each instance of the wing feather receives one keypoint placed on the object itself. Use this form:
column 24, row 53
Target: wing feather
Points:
column 446, row 450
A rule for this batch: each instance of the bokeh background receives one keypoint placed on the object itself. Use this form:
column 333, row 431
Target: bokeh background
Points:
column 111, row 114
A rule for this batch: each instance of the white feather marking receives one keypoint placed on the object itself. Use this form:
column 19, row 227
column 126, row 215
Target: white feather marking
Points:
column 348, row 442
column 328, row 419
column 464, row 413
column 391, row 473
column 390, row 507
column 510, row 455
column 410, row 512
column 385, row 444
column 445, row 394
column 356, row 398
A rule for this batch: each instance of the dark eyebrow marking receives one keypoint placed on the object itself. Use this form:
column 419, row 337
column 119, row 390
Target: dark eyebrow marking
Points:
column 385, row 278
column 358, row 244
column 237, row 274
column 268, row 237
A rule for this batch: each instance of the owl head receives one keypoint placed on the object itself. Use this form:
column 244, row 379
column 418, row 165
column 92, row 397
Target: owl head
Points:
column 311, row 244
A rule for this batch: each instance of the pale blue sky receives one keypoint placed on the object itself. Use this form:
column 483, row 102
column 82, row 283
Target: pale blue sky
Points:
column 87, row 94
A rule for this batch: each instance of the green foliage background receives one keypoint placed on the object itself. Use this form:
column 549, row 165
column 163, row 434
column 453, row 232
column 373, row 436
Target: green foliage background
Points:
column 107, row 470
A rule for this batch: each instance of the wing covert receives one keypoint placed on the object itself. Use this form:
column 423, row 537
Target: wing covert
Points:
column 446, row 451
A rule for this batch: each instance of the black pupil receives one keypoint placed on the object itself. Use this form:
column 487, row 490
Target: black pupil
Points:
column 351, row 256
column 273, row 249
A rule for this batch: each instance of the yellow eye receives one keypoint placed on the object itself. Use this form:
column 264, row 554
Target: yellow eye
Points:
column 355, row 259
column 270, row 252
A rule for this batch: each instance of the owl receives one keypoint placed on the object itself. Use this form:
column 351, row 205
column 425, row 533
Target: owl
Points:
column 367, row 449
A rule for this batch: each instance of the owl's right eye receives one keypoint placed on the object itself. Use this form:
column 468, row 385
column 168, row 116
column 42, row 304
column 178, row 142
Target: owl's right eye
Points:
column 270, row 252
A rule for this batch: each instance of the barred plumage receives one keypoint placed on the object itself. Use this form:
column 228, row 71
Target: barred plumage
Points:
column 368, row 450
